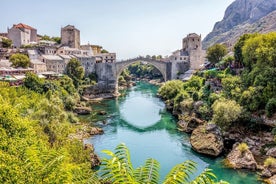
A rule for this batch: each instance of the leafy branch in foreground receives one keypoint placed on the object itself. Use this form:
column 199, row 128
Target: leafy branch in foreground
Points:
column 118, row 169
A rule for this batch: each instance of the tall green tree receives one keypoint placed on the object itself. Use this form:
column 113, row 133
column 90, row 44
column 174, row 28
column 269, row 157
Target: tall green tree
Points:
column 118, row 169
column 239, row 45
column 20, row 60
column 75, row 71
column 216, row 52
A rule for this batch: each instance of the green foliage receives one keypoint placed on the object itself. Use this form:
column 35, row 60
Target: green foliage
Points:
column 33, row 82
column 34, row 144
column 75, row 71
column 54, row 39
column 103, row 51
column 118, row 169
column 6, row 43
column 194, row 84
column 225, row 112
column 260, row 51
column 238, row 54
column 170, row 89
column 216, row 52
column 270, row 107
column 144, row 70
column 269, row 162
column 20, row 60
column 232, row 86
column 243, row 147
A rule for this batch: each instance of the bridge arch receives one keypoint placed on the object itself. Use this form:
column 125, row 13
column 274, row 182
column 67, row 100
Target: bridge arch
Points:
column 159, row 65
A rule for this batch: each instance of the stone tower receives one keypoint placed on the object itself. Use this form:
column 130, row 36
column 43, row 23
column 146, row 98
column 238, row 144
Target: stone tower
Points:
column 191, row 42
column 70, row 36
column 191, row 45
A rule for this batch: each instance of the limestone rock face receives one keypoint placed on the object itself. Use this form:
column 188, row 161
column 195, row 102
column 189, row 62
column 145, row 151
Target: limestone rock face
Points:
column 94, row 159
column 243, row 16
column 241, row 160
column 207, row 139
column 271, row 180
column 82, row 110
column 189, row 126
column 96, row 131
column 271, row 152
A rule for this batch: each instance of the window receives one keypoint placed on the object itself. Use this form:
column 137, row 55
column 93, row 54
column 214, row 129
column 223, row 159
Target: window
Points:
column 175, row 58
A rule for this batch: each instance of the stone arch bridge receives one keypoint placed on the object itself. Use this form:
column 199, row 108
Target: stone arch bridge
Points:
column 163, row 67
column 108, row 73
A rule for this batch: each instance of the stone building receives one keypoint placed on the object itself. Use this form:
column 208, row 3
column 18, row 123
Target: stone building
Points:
column 96, row 49
column 85, row 57
column 54, row 63
column 192, row 47
column 37, row 65
column 191, row 55
column 105, row 57
column 70, row 36
column 22, row 34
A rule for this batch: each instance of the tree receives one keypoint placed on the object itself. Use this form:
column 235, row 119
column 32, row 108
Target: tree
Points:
column 20, row 60
column 33, row 82
column 46, row 37
column 260, row 50
column 225, row 112
column 75, row 71
column 238, row 48
column 104, row 51
column 6, row 43
column 170, row 89
column 216, row 52
column 159, row 57
column 56, row 39
column 118, row 169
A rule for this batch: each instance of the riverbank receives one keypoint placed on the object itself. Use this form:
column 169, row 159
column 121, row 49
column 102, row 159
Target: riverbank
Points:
column 125, row 122
column 196, row 109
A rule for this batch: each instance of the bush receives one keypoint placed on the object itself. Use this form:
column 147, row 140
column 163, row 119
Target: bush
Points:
column 225, row 112
column 170, row 89
column 270, row 161
column 242, row 147
column 270, row 107
column 187, row 105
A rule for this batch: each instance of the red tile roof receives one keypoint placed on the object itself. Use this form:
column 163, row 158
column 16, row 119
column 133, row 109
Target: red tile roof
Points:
column 21, row 25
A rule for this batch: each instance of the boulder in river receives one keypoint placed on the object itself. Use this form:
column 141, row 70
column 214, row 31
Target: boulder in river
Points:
column 96, row 131
column 82, row 110
column 207, row 139
column 190, row 125
column 241, row 158
column 102, row 112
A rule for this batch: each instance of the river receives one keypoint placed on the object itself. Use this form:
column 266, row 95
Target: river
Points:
column 139, row 119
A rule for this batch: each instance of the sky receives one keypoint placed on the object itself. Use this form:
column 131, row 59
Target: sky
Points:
column 127, row 27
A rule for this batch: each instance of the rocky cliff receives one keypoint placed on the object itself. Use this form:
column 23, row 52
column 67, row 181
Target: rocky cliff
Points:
column 243, row 16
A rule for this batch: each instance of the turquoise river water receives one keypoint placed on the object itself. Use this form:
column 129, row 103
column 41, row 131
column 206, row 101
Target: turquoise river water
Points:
column 139, row 119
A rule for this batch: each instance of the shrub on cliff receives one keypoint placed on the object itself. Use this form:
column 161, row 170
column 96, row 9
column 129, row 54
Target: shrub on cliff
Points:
column 170, row 89
column 225, row 112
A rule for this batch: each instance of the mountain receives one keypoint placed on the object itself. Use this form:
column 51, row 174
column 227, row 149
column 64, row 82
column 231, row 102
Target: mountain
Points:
column 243, row 16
